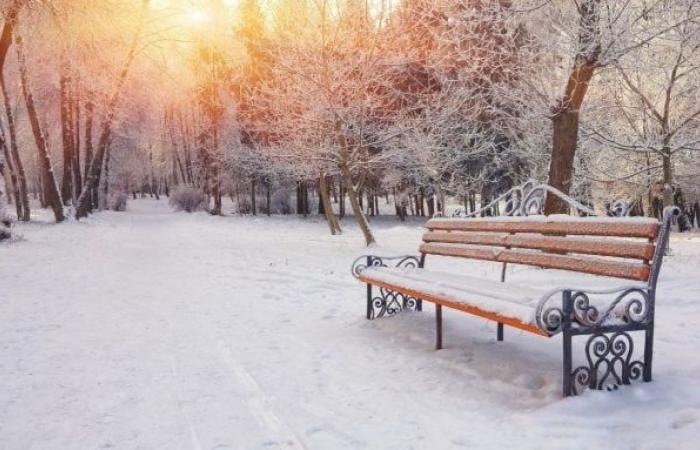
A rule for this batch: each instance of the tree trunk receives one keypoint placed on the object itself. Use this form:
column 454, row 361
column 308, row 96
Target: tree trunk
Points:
column 667, row 170
column 341, row 199
column 650, row 184
column 53, row 197
column 8, row 28
column 12, row 173
column 566, row 115
column 349, row 186
column 89, row 112
column 5, row 43
column 561, row 165
column 300, row 197
column 39, row 186
column 325, row 200
column 216, row 191
column 321, row 206
column 253, row 200
column 441, row 203
column 66, row 132
column 421, row 202
column 105, row 180
column 154, row 187
column 77, row 174
column 431, row 206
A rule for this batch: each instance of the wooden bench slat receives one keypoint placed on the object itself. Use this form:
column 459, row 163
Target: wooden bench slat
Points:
column 596, row 266
column 566, row 227
column 609, row 247
column 457, row 305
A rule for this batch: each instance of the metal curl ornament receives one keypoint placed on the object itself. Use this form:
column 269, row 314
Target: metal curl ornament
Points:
column 630, row 306
column 526, row 199
column 389, row 303
column 610, row 363
column 365, row 261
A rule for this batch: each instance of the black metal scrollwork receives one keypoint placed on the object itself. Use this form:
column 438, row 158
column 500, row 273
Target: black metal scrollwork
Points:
column 365, row 261
column 630, row 306
column 551, row 319
column 610, row 363
column 389, row 303
column 527, row 199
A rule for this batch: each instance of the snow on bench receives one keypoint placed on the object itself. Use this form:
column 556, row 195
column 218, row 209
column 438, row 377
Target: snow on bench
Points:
column 509, row 303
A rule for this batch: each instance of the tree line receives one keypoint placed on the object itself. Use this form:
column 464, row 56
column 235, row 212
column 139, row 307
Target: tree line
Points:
column 326, row 105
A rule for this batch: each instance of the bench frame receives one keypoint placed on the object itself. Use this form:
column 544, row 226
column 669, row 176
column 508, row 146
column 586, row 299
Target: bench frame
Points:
column 609, row 348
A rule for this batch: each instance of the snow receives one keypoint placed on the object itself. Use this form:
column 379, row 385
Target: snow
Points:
column 513, row 300
column 508, row 300
column 551, row 219
column 153, row 329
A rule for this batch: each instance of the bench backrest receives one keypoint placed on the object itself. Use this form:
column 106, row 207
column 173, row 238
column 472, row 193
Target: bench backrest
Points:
column 613, row 247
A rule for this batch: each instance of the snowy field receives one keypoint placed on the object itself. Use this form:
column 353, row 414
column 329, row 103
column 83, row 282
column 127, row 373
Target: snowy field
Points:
column 159, row 330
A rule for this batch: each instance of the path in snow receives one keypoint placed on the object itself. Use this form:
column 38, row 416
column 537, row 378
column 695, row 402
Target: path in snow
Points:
column 151, row 329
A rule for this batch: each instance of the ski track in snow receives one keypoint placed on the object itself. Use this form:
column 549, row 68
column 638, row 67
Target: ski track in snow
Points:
column 158, row 330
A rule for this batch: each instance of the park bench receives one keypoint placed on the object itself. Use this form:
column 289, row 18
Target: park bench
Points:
column 625, row 251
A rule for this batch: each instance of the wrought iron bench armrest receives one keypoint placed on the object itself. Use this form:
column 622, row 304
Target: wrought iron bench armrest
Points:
column 365, row 261
column 632, row 304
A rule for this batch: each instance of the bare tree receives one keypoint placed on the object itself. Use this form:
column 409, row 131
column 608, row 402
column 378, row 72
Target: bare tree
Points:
column 657, row 99
column 11, row 153
column 53, row 197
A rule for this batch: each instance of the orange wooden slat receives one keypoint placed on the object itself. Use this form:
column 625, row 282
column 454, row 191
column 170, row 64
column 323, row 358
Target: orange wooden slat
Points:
column 602, row 247
column 444, row 301
column 567, row 227
column 596, row 266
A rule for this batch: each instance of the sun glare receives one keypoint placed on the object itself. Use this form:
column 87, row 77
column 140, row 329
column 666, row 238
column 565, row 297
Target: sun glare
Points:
column 197, row 17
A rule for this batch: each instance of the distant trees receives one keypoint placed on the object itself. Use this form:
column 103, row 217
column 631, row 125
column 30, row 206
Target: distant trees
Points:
column 85, row 201
column 606, row 32
column 329, row 106
column 656, row 97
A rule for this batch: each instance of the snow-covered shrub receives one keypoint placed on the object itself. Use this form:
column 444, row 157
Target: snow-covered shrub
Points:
column 279, row 202
column 244, row 206
column 117, row 201
column 188, row 199
column 5, row 221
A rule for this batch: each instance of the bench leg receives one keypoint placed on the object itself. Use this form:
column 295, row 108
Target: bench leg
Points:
column 567, row 365
column 567, row 380
column 648, row 351
column 499, row 332
column 611, row 357
column 369, row 302
column 438, row 326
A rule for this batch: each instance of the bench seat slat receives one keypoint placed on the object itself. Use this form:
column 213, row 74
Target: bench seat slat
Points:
column 638, row 228
column 596, row 266
column 418, row 284
column 609, row 247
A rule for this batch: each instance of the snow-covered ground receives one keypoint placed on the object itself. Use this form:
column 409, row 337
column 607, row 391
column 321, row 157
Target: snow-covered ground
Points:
column 159, row 330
